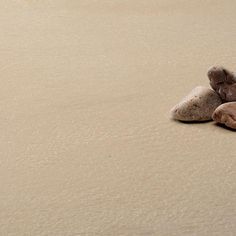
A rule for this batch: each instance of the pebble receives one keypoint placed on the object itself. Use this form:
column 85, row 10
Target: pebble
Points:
column 226, row 114
column 198, row 105
column 223, row 82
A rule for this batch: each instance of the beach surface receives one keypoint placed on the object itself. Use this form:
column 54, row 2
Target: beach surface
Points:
column 87, row 146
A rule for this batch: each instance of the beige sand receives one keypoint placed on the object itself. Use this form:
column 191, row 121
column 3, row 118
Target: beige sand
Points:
column 86, row 144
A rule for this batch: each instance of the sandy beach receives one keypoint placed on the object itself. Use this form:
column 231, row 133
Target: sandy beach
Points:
column 87, row 146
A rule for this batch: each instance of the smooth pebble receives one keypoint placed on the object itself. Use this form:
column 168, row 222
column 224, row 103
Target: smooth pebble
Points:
column 226, row 114
column 223, row 82
column 198, row 105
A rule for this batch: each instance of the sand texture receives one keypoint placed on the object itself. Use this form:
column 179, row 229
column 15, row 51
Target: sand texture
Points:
column 87, row 146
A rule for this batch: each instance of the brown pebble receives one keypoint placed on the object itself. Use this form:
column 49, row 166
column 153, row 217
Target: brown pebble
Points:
column 198, row 105
column 223, row 82
column 226, row 114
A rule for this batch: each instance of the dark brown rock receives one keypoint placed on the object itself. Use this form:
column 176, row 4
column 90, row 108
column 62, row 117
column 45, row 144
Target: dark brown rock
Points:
column 223, row 82
column 226, row 114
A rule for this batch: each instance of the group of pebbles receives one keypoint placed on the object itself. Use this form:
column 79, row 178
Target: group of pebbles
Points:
column 218, row 103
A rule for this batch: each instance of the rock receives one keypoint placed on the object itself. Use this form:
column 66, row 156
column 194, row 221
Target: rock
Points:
column 223, row 82
column 226, row 114
column 198, row 105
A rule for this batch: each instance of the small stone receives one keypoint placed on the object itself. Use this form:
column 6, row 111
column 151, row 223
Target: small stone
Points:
column 198, row 105
column 226, row 114
column 223, row 82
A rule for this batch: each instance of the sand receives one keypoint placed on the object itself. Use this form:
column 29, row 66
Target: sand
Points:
column 87, row 147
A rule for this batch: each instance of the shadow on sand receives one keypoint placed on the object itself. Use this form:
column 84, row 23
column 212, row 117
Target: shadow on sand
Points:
column 219, row 125
column 222, row 126
column 194, row 122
